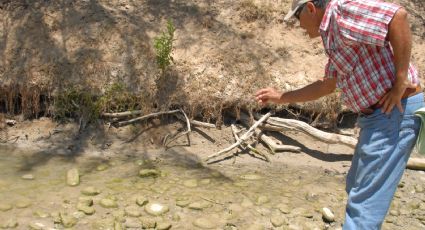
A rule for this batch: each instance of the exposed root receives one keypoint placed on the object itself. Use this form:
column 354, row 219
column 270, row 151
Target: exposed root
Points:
column 138, row 119
column 187, row 132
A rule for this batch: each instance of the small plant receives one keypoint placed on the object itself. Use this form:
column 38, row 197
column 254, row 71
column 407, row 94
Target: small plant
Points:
column 164, row 46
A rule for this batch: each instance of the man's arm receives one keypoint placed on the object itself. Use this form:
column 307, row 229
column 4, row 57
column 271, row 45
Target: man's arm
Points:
column 400, row 38
column 310, row 92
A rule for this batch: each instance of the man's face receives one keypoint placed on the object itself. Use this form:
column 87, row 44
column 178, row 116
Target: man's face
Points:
column 310, row 20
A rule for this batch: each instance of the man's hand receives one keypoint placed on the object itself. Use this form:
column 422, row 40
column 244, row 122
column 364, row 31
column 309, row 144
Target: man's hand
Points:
column 263, row 96
column 392, row 98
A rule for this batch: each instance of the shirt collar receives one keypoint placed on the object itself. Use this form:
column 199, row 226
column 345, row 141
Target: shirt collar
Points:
column 327, row 16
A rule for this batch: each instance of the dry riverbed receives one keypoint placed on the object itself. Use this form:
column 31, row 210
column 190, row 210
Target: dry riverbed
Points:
column 54, row 177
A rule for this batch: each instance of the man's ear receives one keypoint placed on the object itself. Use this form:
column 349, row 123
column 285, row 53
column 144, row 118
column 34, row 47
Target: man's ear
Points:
column 311, row 9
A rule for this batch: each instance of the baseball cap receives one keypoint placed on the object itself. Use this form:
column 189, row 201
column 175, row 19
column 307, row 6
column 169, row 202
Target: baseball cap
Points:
column 296, row 4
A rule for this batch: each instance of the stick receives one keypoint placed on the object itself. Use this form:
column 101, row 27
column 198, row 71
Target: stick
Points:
column 122, row 114
column 331, row 138
column 122, row 123
column 272, row 144
column 187, row 132
column 243, row 138
column 196, row 123
column 245, row 145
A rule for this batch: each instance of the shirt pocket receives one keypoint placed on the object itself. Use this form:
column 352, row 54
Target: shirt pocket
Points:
column 344, row 57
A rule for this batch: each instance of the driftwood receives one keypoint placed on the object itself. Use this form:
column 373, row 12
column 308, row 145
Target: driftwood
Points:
column 187, row 132
column 248, row 146
column 122, row 123
column 330, row 138
column 273, row 146
column 242, row 139
column 138, row 112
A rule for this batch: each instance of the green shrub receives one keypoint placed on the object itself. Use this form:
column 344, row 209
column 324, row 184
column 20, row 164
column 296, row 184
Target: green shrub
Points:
column 164, row 46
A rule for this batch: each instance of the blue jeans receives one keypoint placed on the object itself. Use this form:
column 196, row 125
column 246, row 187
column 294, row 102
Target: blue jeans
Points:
column 379, row 160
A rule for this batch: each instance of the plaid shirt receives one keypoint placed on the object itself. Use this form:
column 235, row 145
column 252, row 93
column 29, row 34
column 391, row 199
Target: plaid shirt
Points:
column 354, row 33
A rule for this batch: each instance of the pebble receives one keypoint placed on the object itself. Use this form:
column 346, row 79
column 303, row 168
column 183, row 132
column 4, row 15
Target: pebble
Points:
column 327, row 215
column 204, row 223
column 67, row 220
column 28, row 177
column 90, row 191
column 284, row 208
column 192, row 183
column 132, row 211
column 277, row 220
column 141, row 200
column 156, row 209
column 419, row 188
column 108, row 203
column 394, row 213
column 5, row 207
column 41, row 214
column 88, row 210
column 251, row 177
column 87, row 201
column 147, row 222
column 133, row 223
column 199, row 205
column 163, row 225
column 11, row 223
column 73, row 177
column 37, row 226
column 102, row 167
column 205, row 181
column 246, row 203
column 149, row 173
column 23, row 204
column 262, row 199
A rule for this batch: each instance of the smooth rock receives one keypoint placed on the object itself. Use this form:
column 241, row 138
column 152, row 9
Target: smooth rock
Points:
column 205, row 181
column 141, row 200
column 182, row 202
column 327, row 215
column 90, row 191
column 41, row 214
column 283, row 208
column 200, row 205
column 156, row 209
column 132, row 211
column 108, row 203
column 73, row 177
column 118, row 225
column 28, row 177
column 68, row 221
column 204, row 223
column 251, row 177
column 88, row 210
column 87, row 201
column 149, row 173
column 37, row 226
column 262, row 199
column 5, row 207
column 247, row 203
column 22, row 204
column 394, row 213
column 192, row 183
column 163, row 225
column 148, row 222
column 11, row 223
column 133, row 223
column 419, row 188
column 102, row 167
column 277, row 220
column 256, row 227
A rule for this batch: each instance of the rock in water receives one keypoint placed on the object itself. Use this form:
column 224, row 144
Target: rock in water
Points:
column 327, row 215
column 108, row 203
column 73, row 177
column 156, row 209
column 204, row 223
column 90, row 191
column 28, row 177
column 149, row 173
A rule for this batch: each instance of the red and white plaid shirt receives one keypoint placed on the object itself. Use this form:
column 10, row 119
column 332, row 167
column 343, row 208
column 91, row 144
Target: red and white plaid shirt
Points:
column 354, row 33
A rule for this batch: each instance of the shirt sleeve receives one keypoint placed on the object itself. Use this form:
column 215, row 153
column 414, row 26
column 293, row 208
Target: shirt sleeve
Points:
column 365, row 21
column 330, row 71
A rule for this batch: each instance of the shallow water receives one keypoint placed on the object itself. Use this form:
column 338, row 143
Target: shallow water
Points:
column 234, row 196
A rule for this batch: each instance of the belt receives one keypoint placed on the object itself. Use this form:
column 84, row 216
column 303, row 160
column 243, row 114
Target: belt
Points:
column 407, row 93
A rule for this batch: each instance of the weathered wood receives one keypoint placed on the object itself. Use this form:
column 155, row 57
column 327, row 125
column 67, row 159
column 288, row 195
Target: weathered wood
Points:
column 122, row 114
column 122, row 123
column 245, row 145
column 416, row 163
column 197, row 123
column 273, row 146
column 243, row 138
column 187, row 132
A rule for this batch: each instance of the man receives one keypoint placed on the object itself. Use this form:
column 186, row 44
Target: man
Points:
column 368, row 43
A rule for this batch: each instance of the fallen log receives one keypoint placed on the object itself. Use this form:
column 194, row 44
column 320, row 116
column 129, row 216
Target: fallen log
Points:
column 122, row 123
